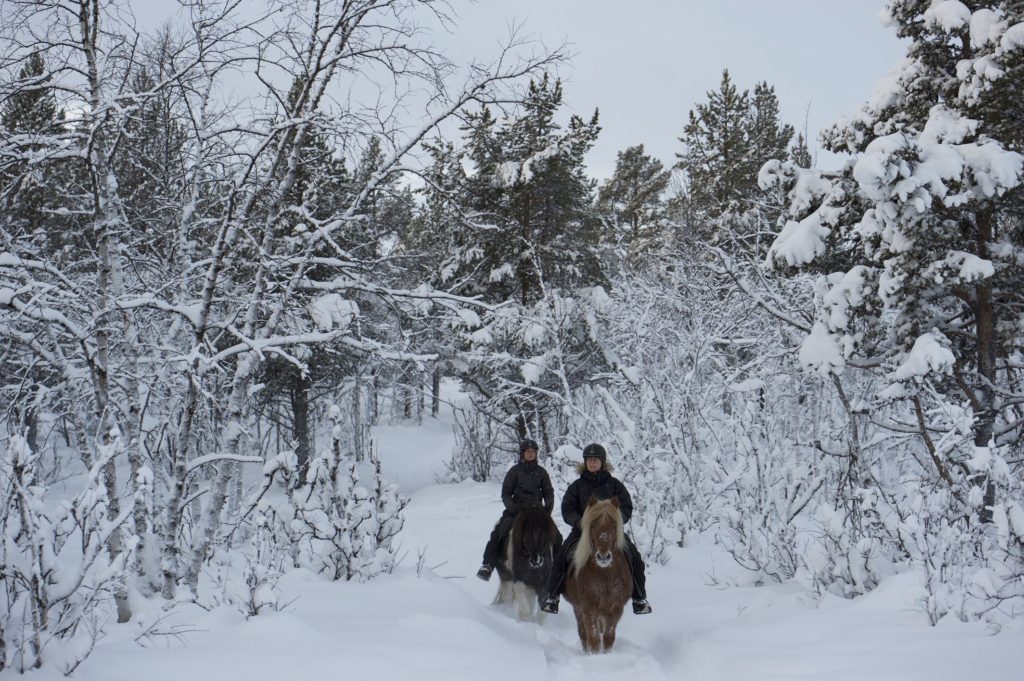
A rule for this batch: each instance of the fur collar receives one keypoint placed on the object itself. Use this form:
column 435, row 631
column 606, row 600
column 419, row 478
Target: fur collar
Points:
column 605, row 466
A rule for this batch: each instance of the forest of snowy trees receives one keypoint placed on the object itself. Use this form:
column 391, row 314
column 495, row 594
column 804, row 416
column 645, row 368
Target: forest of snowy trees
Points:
column 208, row 295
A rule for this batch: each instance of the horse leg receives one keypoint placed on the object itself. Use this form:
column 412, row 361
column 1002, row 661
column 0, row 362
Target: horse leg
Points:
column 583, row 630
column 539, row 614
column 608, row 639
column 600, row 632
column 522, row 600
column 504, row 594
column 593, row 634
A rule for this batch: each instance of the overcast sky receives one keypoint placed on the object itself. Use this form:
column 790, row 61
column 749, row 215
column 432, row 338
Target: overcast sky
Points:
column 646, row 63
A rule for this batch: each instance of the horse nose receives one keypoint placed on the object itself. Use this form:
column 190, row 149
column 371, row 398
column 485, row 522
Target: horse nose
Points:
column 604, row 558
column 536, row 561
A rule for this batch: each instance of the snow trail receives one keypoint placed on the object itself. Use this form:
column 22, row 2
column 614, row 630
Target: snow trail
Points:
column 433, row 620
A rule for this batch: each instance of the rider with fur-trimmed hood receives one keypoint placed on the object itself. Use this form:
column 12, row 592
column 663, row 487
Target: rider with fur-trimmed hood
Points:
column 526, row 484
column 596, row 480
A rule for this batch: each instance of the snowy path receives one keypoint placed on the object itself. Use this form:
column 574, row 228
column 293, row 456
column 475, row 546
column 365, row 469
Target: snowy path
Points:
column 457, row 525
column 702, row 633
column 438, row 624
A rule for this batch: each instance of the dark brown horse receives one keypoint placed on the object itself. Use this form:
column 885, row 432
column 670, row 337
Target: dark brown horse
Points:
column 600, row 581
column 525, row 569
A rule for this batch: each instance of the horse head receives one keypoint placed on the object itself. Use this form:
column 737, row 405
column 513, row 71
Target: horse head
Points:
column 535, row 536
column 603, row 533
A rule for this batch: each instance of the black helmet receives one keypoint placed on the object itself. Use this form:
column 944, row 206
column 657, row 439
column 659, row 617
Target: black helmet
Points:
column 595, row 451
column 528, row 444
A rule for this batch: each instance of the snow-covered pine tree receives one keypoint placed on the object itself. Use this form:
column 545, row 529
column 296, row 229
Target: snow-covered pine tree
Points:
column 633, row 199
column 532, row 200
column 917, row 245
column 533, row 240
column 28, row 118
column 725, row 142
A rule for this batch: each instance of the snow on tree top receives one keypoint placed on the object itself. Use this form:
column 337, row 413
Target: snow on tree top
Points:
column 949, row 15
column 333, row 311
column 820, row 352
column 928, row 355
column 510, row 173
column 986, row 27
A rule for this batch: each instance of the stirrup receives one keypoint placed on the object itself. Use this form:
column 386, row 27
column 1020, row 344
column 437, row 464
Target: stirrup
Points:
column 484, row 572
column 641, row 606
column 550, row 605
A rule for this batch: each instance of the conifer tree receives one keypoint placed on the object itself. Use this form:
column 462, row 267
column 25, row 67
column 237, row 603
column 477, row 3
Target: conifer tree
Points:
column 633, row 197
column 29, row 184
column 533, row 200
column 716, row 148
column 725, row 143
column 918, row 241
column 800, row 153
column 28, row 119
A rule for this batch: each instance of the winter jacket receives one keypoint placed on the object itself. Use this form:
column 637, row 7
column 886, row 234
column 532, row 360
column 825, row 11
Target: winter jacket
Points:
column 602, row 485
column 527, row 484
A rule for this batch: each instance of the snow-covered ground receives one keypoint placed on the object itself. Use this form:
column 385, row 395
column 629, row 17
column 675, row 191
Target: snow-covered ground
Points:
column 438, row 622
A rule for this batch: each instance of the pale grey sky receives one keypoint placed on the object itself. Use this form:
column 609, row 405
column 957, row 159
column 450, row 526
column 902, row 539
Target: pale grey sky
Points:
column 646, row 63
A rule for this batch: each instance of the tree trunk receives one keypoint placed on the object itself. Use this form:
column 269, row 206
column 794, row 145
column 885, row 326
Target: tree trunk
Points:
column 420, row 398
column 435, row 392
column 300, row 421
column 985, row 337
column 375, row 400
column 169, row 562
column 233, row 439
column 124, row 612
column 357, row 418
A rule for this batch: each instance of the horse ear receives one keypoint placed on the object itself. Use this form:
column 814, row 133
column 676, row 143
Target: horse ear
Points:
column 615, row 502
column 592, row 500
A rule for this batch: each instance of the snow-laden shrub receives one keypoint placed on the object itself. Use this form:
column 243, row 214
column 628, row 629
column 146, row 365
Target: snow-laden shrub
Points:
column 252, row 588
column 58, row 576
column 334, row 524
column 770, row 488
column 472, row 456
column 973, row 570
column 341, row 527
column 847, row 558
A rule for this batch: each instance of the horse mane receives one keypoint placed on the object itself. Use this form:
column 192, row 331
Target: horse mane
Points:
column 592, row 513
column 534, row 520
column 530, row 522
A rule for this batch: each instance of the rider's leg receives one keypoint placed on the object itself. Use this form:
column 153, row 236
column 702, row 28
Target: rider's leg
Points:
column 556, row 584
column 640, row 604
column 494, row 544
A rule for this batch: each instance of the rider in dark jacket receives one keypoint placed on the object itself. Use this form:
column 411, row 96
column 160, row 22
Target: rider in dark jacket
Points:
column 526, row 484
column 595, row 480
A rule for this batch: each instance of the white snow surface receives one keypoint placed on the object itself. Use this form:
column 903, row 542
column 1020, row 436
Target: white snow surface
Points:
column 929, row 354
column 949, row 15
column 332, row 311
column 440, row 625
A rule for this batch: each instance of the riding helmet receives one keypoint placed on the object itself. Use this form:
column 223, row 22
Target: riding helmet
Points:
column 528, row 444
column 596, row 451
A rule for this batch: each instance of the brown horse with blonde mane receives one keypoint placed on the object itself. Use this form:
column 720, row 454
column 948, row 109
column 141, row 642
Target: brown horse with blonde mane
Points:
column 600, row 581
